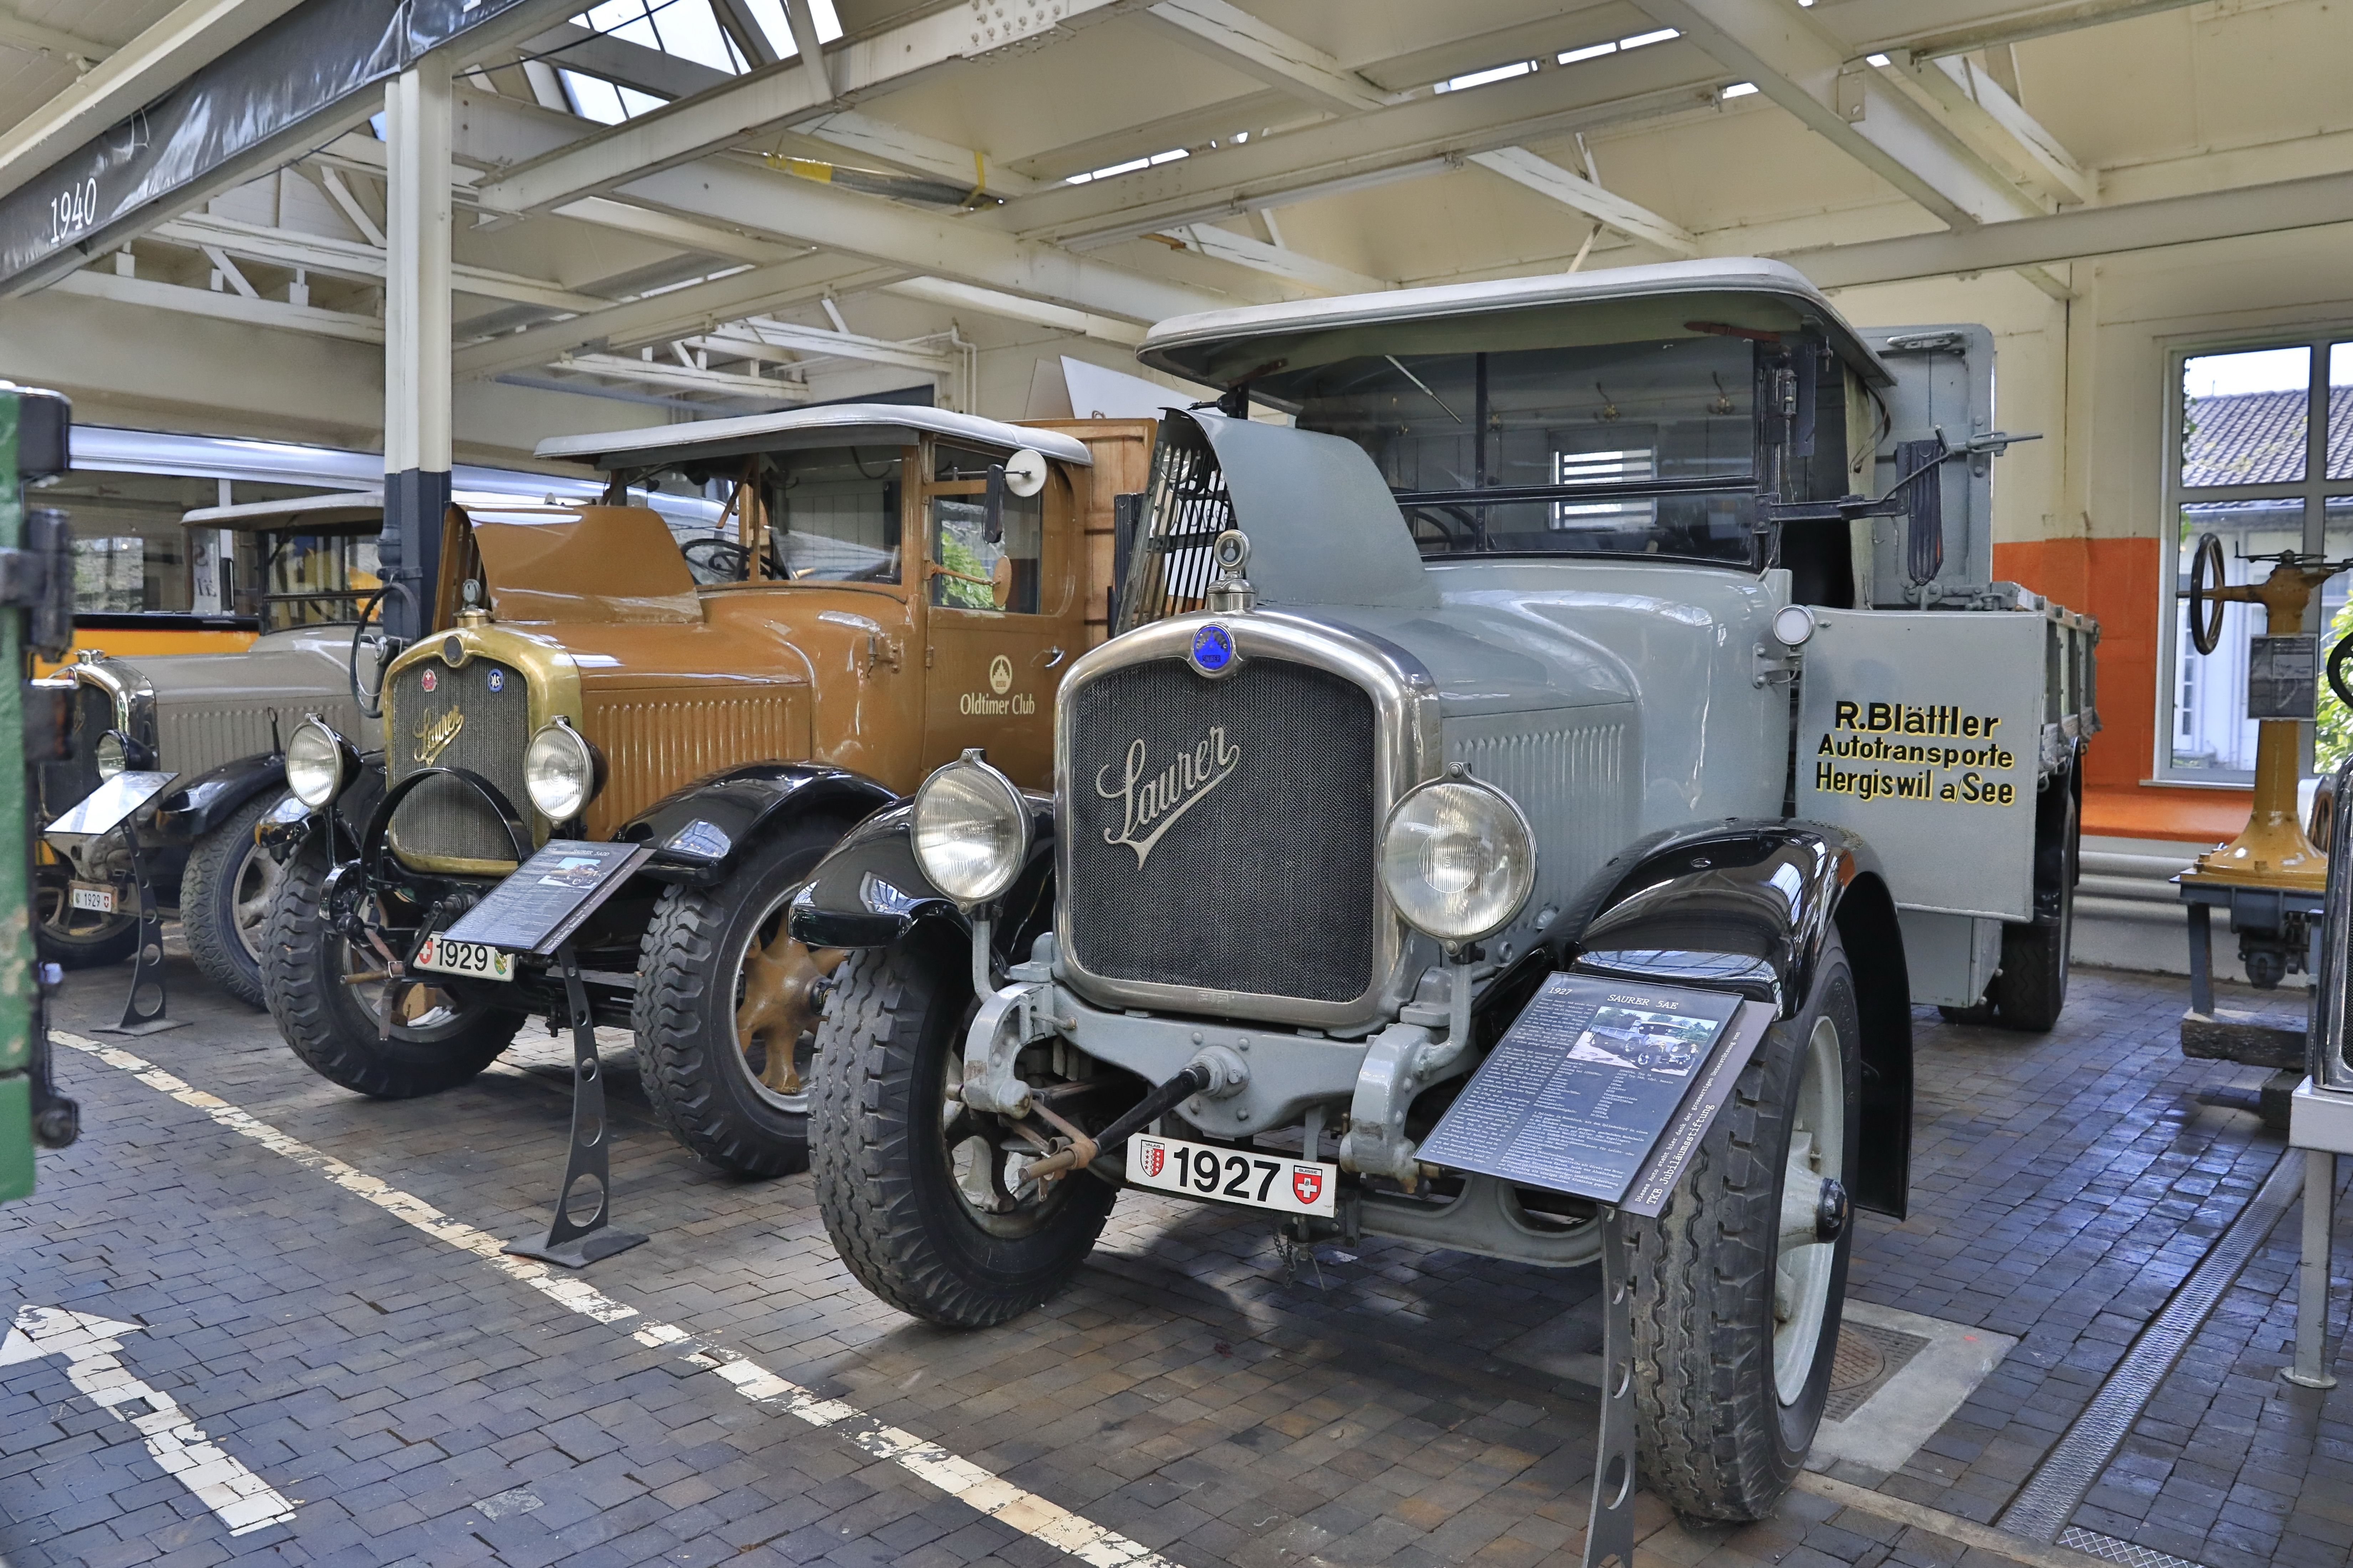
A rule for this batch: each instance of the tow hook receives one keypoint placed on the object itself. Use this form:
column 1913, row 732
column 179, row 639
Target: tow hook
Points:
column 1202, row 1075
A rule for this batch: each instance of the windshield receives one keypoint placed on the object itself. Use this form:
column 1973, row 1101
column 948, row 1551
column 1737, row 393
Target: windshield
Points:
column 1625, row 448
column 305, row 579
column 831, row 515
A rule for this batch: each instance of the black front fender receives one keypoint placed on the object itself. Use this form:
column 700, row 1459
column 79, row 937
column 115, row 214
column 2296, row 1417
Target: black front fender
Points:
column 193, row 809
column 1750, row 907
column 871, row 891
column 697, row 832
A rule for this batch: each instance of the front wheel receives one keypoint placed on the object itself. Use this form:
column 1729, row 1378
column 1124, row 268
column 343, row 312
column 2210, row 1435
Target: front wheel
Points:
column 350, row 1021
column 1737, row 1299
column 726, row 1006
column 71, row 938
column 224, row 896
column 923, row 1197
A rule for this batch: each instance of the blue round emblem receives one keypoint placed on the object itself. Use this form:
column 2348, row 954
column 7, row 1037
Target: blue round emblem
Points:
column 1213, row 648
column 498, row 681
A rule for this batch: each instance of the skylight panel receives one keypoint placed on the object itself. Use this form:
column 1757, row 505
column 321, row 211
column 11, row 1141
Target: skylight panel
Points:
column 770, row 15
column 1738, row 90
column 1590, row 52
column 1639, row 39
column 1131, row 166
column 1481, row 78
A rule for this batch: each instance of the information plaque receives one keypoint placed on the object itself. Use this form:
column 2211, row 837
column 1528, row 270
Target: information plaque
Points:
column 1601, row 1089
column 104, row 808
column 550, row 896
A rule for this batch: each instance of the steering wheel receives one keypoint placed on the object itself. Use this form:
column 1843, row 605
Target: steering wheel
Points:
column 2338, row 657
column 388, row 649
column 2206, row 615
column 723, row 558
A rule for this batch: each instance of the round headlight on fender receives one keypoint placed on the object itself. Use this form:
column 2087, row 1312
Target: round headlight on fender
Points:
column 972, row 830
column 112, row 755
column 562, row 770
column 1457, row 860
column 317, row 761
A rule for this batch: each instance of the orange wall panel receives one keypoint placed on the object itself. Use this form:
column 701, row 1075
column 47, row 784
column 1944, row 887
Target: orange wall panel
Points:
column 2117, row 582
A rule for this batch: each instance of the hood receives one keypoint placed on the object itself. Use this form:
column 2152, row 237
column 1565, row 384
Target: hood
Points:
column 589, row 564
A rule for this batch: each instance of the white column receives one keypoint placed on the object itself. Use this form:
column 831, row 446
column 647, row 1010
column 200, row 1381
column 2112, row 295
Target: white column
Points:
column 416, row 377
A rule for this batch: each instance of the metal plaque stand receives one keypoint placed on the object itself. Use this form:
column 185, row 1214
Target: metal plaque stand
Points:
column 2311, row 1366
column 1609, row 1532
column 587, row 1189
column 144, row 1009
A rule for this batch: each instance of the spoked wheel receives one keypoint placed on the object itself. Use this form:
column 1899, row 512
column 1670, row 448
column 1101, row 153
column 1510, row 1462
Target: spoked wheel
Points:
column 727, row 1008
column 72, row 938
column 225, row 897
column 352, row 1021
column 924, row 1198
column 1740, row 1282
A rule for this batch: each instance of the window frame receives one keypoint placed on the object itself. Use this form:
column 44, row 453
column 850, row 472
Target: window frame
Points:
column 2312, row 491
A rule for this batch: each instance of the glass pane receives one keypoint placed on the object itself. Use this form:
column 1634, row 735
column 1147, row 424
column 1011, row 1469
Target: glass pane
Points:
column 2211, row 726
column 833, row 515
column 977, row 574
column 2333, row 737
column 2243, row 417
column 309, row 580
column 2340, row 416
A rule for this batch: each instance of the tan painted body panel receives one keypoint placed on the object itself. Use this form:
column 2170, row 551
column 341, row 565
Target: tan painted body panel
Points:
column 674, row 682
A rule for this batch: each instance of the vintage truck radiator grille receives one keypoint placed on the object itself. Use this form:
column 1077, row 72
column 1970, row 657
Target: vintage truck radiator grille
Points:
column 1221, row 833
column 653, row 746
column 444, row 820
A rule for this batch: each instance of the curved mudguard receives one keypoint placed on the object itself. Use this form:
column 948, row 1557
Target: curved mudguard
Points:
column 193, row 809
column 697, row 832
column 870, row 892
column 1749, row 907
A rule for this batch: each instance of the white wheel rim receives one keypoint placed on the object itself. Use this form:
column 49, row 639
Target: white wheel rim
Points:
column 1802, row 1271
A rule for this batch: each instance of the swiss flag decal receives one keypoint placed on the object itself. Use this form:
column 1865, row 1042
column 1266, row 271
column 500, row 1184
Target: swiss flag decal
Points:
column 1154, row 1156
column 1306, row 1183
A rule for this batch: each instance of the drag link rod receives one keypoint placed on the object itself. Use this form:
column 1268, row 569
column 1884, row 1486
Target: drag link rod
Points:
column 1194, row 1078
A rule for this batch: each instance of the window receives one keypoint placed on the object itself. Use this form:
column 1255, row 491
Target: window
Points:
column 2263, row 460
column 833, row 515
column 970, row 571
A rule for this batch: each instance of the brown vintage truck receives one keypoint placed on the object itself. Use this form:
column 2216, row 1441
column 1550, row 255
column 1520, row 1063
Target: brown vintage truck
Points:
column 885, row 587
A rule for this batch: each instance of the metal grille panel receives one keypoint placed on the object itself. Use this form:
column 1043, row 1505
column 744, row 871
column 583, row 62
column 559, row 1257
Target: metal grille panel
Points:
column 445, row 818
column 652, row 747
column 1260, row 789
column 1571, row 782
column 1169, row 567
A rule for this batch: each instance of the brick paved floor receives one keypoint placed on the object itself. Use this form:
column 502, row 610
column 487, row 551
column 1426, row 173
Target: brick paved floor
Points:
column 1190, row 1393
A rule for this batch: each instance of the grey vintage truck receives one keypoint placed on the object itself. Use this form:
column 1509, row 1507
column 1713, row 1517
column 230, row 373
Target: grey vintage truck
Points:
column 217, row 720
column 1637, row 625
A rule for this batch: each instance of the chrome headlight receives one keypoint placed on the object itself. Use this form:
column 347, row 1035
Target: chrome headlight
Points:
column 972, row 830
column 315, row 762
column 1457, row 860
column 111, row 756
column 562, row 771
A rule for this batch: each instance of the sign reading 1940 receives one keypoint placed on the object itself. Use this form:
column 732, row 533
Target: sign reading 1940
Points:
column 1923, row 732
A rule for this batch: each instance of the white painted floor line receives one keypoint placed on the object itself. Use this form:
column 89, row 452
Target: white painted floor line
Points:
column 242, row 1499
column 961, row 1479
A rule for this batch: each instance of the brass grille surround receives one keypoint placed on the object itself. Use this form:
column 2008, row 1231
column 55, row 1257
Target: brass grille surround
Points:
column 445, row 827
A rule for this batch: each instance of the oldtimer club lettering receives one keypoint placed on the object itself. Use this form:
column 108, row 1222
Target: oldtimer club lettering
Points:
column 994, row 703
column 1164, row 796
column 434, row 735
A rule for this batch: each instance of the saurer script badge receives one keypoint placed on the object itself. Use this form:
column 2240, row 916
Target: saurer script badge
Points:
column 1151, row 800
column 434, row 735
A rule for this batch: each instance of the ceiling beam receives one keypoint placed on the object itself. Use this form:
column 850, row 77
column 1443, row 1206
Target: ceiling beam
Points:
column 887, row 234
column 1224, row 244
column 661, row 373
column 1981, row 111
column 2081, row 232
column 571, row 46
column 1575, row 191
column 860, row 132
column 777, row 97
column 686, row 234
column 1933, row 28
column 18, row 33
column 1416, row 136
column 1013, row 308
column 191, row 35
column 763, row 332
column 1234, row 37
column 1810, row 74
column 676, row 314
column 349, row 258
column 223, row 306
